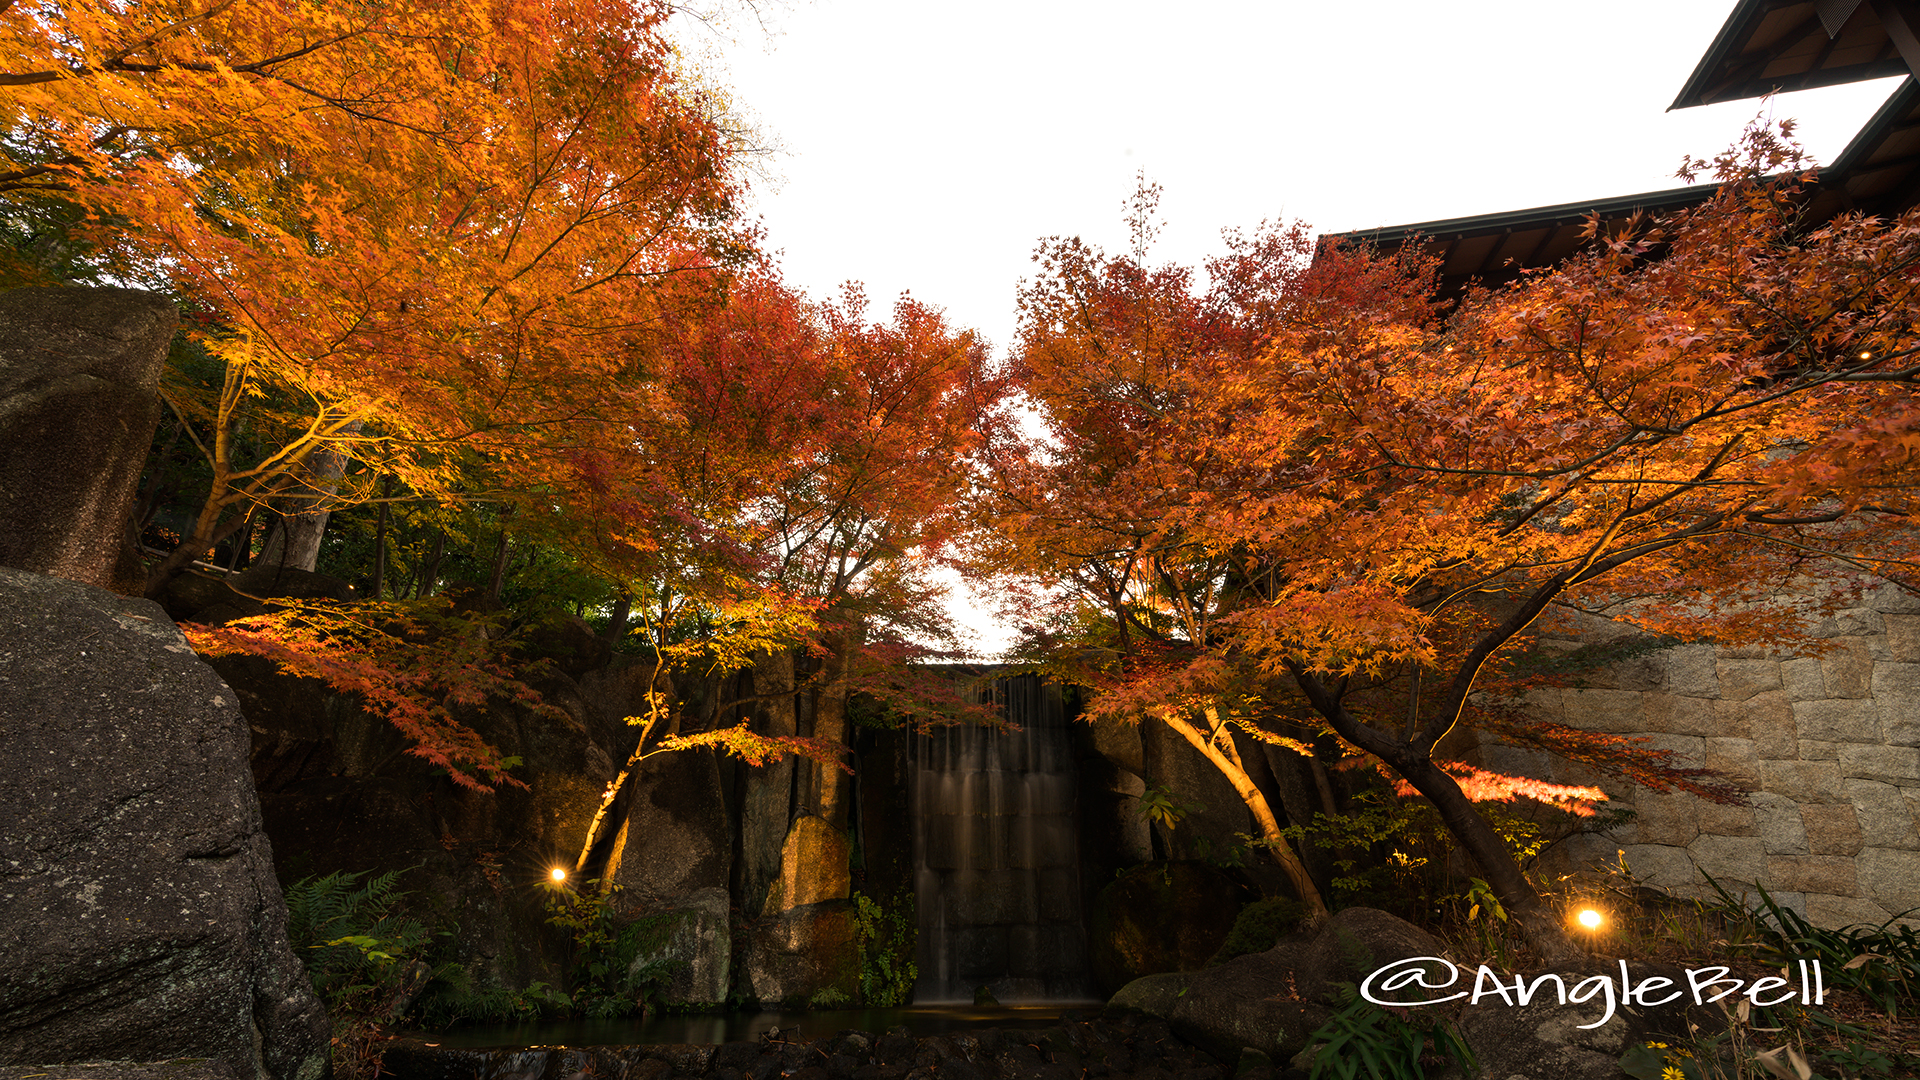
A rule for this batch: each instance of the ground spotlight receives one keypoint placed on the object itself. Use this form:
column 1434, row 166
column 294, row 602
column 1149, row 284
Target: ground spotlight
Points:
column 1590, row 918
column 558, row 875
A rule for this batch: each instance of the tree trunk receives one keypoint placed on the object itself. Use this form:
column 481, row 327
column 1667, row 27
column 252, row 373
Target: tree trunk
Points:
column 1236, row 774
column 1537, row 921
column 294, row 543
column 242, row 545
column 1542, row 928
column 655, row 714
column 430, row 567
column 501, row 549
column 379, row 556
column 209, row 529
column 1299, row 800
column 622, row 611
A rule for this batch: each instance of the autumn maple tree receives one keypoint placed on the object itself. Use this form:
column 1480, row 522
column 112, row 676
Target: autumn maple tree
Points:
column 412, row 231
column 1118, row 356
column 820, row 452
column 1702, row 426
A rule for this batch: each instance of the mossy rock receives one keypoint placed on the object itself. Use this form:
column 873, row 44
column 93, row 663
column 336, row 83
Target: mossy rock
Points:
column 1259, row 927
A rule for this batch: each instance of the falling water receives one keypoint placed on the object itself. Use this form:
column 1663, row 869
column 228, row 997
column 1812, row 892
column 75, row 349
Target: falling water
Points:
column 996, row 865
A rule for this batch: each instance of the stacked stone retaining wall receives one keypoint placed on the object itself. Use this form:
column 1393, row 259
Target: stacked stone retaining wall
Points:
column 1828, row 747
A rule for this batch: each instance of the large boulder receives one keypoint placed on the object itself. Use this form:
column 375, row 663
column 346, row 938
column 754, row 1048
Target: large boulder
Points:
column 1545, row 1038
column 1272, row 1001
column 1158, row 917
column 139, row 913
column 197, row 596
column 804, row 956
column 79, row 375
column 678, row 836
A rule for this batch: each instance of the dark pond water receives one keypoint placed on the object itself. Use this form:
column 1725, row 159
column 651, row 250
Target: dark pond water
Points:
column 736, row 1026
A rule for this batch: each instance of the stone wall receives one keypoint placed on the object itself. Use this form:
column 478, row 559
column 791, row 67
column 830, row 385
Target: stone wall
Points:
column 1828, row 746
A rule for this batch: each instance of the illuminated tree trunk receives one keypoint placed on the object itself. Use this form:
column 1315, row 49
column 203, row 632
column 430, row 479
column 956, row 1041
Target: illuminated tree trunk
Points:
column 294, row 543
column 1217, row 746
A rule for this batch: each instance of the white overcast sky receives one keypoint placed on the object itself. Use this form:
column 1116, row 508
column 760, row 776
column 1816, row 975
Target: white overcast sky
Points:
column 928, row 146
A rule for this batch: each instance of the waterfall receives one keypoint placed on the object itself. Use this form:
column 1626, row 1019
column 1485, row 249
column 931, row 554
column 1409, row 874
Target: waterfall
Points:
column 996, row 863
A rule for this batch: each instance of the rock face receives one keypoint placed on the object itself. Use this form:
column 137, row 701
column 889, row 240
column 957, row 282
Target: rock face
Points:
column 79, row 370
column 139, row 913
column 677, row 837
column 800, row 954
column 813, row 866
column 1159, row 917
column 339, row 793
column 694, row 950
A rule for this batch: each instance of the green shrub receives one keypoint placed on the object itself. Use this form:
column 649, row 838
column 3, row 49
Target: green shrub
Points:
column 607, row 980
column 363, row 956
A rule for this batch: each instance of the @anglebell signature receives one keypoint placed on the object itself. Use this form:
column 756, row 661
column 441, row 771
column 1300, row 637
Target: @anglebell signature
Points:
column 1424, row 973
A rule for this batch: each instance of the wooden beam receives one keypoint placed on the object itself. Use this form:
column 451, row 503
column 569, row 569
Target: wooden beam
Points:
column 1901, row 20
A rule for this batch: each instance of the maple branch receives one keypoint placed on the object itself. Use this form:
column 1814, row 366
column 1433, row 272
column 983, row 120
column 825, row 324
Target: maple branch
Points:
column 1761, row 517
column 136, row 46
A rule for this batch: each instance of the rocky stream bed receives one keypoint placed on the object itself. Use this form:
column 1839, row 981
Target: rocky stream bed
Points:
column 1113, row 1043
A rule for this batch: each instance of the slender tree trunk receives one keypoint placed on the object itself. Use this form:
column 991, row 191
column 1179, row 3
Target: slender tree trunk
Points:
column 211, row 527
column 656, row 712
column 430, row 566
column 1226, row 760
column 380, row 555
column 1537, row 921
column 294, row 543
column 501, row 549
column 622, row 611
column 242, row 544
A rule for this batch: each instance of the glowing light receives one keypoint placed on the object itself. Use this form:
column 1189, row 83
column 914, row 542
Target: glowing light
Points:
column 559, row 874
column 1590, row 918
column 1866, row 356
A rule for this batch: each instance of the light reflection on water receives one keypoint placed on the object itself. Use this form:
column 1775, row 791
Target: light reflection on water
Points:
column 736, row 1026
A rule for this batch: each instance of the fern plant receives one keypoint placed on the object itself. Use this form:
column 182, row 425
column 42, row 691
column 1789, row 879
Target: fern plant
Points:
column 1366, row 1042
column 886, row 944
column 362, row 955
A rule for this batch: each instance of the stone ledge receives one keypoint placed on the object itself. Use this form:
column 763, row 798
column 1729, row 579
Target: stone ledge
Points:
column 178, row 1069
